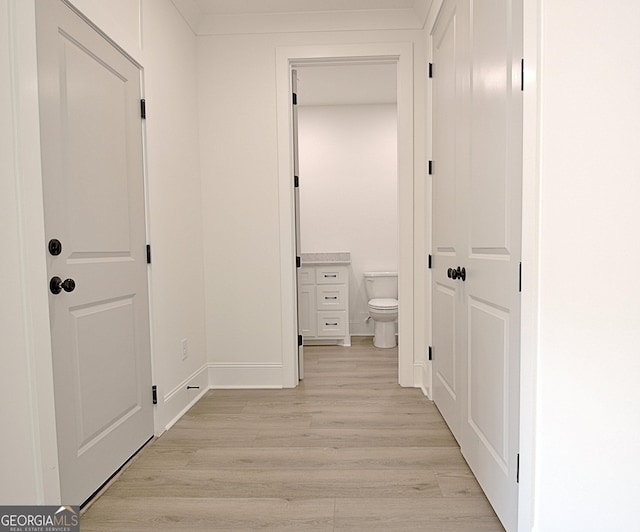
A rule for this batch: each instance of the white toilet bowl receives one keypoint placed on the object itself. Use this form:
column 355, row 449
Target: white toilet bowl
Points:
column 384, row 313
column 382, row 292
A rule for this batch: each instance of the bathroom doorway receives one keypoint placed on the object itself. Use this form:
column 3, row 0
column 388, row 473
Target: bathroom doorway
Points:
column 293, row 57
column 347, row 126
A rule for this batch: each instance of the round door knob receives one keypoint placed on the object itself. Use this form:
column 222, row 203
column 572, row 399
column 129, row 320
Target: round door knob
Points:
column 462, row 273
column 57, row 285
column 68, row 285
column 450, row 273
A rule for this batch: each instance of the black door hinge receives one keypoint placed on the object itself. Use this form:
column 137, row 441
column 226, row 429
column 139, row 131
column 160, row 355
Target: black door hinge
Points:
column 143, row 109
column 154, row 394
column 430, row 353
column 430, row 70
column 299, row 340
column 520, row 277
column 148, row 253
column 430, row 167
column 298, row 262
column 296, row 181
column 429, row 262
column 522, row 74
column 518, row 469
column 295, row 98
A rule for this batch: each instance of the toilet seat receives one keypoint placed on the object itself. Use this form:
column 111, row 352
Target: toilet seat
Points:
column 383, row 304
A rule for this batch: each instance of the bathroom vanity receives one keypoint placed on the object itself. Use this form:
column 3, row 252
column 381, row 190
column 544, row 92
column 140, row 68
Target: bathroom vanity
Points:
column 323, row 298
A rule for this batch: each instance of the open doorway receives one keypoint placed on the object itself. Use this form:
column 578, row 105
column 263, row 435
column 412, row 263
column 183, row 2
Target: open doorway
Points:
column 348, row 196
column 288, row 58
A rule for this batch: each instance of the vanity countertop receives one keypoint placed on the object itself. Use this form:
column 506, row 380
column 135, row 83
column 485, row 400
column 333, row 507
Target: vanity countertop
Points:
column 343, row 257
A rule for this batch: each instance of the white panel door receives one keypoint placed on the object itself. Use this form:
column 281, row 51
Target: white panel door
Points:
column 450, row 164
column 91, row 135
column 492, row 256
column 477, row 107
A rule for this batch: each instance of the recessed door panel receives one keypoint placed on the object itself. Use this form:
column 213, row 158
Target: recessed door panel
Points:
column 488, row 381
column 445, row 228
column 491, row 87
column 95, row 134
column 444, row 343
column 105, row 367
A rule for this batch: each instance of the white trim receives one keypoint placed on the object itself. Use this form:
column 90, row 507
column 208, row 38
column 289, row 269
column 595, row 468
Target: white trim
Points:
column 422, row 378
column 31, row 225
column 197, row 378
column 532, row 17
column 223, row 376
column 301, row 22
column 285, row 58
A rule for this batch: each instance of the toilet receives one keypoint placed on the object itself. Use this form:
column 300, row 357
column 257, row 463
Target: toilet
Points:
column 382, row 293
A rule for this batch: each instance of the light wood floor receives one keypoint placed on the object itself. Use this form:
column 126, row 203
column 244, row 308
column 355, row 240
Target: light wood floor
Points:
column 348, row 450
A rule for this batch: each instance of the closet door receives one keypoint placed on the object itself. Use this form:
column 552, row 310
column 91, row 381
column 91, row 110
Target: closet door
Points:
column 93, row 182
column 450, row 167
column 493, row 225
column 477, row 178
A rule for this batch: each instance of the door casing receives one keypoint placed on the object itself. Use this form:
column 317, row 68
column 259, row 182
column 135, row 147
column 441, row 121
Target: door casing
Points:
column 286, row 58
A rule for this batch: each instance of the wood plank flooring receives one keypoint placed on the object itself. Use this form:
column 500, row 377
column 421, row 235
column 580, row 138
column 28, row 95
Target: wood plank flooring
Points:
column 348, row 450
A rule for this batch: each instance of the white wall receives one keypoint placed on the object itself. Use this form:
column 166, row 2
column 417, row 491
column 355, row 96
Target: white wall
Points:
column 155, row 34
column 349, row 191
column 588, row 366
column 166, row 48
column 239, row 150
column 175, row 208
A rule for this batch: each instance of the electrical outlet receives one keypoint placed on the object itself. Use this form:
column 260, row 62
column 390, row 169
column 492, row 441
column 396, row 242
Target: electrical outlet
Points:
column 185, row 349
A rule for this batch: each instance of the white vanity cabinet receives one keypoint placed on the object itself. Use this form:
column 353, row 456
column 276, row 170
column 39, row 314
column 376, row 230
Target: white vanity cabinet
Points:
column 323, row 300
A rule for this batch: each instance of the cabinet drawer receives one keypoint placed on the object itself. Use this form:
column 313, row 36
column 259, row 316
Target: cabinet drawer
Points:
column 332, row 323
column 328, row 275
column 331, row 297
column 307, row 275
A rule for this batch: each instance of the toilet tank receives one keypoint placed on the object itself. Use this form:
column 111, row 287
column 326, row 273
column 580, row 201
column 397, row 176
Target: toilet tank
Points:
column 381, row 285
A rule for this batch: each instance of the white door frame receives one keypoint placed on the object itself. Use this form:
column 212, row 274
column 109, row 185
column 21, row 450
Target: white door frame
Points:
column 286, row 57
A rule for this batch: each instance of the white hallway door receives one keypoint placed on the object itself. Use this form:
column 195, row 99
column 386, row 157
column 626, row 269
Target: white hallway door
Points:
column 477, row 177
column 91, row 137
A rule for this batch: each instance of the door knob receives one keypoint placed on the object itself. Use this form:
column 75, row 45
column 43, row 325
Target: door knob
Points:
column 458, row 273
column 57, row 285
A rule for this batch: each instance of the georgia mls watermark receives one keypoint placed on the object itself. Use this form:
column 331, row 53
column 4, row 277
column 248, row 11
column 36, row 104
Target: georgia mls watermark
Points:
column 39, row 519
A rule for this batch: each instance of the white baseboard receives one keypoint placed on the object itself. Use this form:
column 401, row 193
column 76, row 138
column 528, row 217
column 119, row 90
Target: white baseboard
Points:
column 422, row 378
column 179, row 400
column 244, row 376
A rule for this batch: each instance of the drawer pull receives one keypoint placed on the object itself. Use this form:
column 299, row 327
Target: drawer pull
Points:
column 331, row 324
column 331, row 297
column 333, row 275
